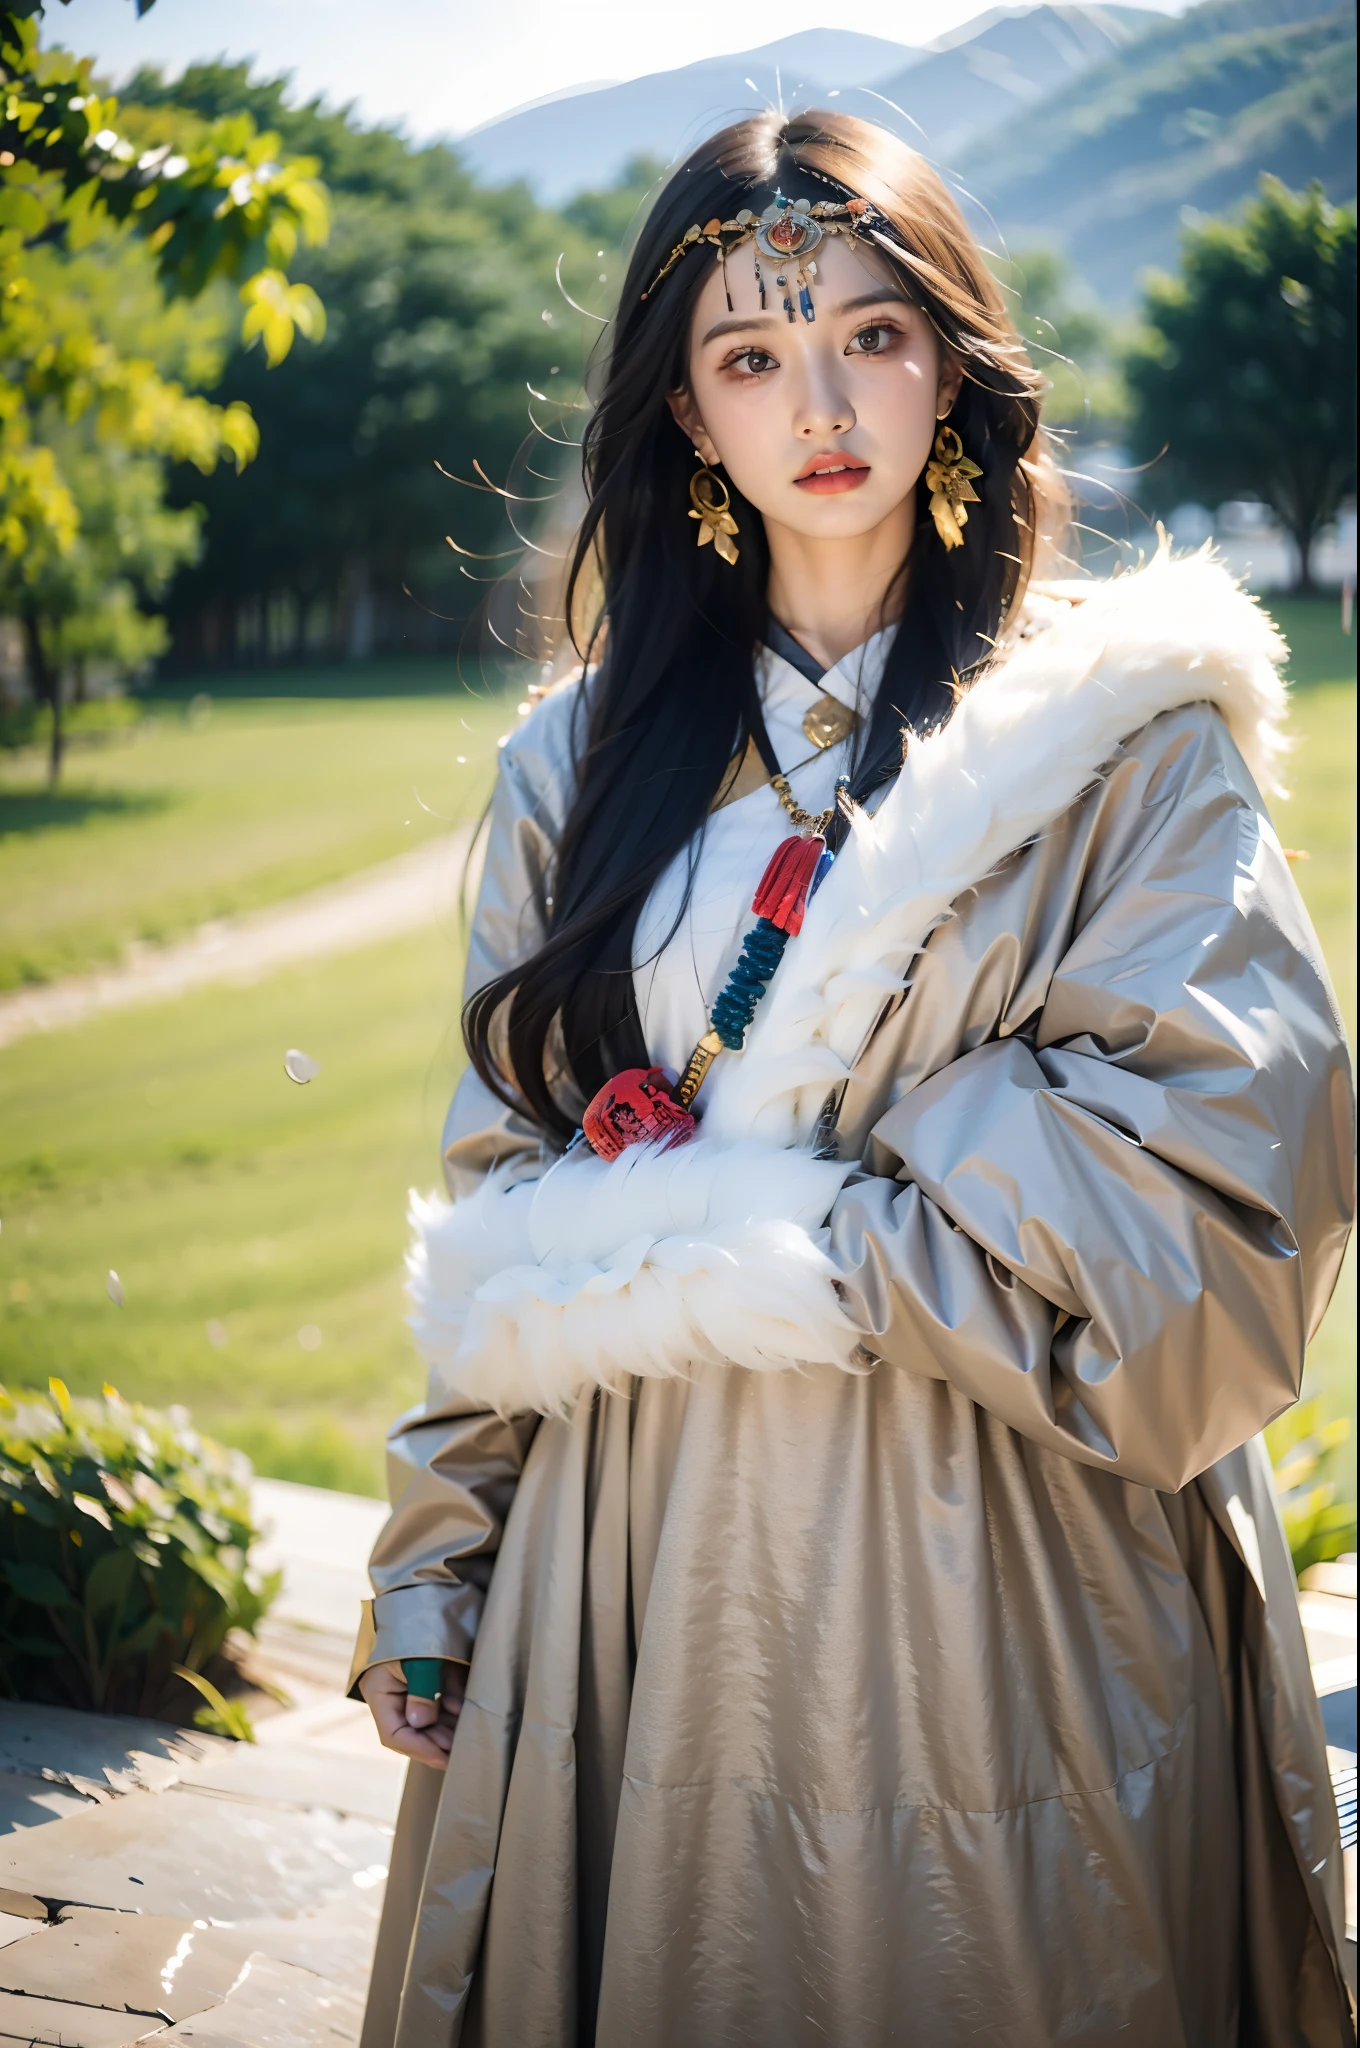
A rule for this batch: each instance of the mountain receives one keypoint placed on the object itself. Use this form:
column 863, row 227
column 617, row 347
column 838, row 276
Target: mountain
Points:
column 1089, row 128
column 961, row 85
column 1187, row 118
column 584, row 138
column 974, row 82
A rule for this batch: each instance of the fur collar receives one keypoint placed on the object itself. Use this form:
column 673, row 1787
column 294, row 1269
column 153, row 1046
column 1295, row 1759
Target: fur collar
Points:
column 524, row 1294
column 1090, row 669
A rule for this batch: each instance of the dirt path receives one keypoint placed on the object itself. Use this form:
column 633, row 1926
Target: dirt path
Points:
column 400, row 895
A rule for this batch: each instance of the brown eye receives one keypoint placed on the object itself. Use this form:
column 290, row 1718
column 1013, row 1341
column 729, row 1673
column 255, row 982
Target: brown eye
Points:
column 756, row 361
column 871, row 341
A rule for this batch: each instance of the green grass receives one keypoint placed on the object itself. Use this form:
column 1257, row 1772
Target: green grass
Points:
column 167, row 1143
column 195, row 812
column 1318, row 819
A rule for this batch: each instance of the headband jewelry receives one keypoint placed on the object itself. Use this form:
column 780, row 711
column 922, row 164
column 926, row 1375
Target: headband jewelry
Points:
column 785, row 235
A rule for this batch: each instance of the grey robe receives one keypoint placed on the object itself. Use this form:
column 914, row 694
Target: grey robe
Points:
column 964, row 1698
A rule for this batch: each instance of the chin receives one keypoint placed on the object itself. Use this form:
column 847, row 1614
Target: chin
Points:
column 838, row 518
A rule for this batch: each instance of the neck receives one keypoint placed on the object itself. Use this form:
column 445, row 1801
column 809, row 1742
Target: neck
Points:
column 833, row 594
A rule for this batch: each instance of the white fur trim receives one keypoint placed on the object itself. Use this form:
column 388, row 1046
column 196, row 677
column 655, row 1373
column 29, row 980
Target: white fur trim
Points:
column 1022, row 746
column 524, row 1294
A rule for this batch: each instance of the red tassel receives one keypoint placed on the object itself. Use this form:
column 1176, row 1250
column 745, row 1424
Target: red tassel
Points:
column 783, row 892
column 635, row 1108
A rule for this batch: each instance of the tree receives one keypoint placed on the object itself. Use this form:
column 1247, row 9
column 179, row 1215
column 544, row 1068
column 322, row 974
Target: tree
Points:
column 1242, row 382
column 1070, row 337
column 88, row 604
column 612, row 215
column 444, row 318
column 207, row 202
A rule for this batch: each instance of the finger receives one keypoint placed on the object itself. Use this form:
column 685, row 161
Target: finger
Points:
column 381, row 1681
column 421, row 1713
column 388, row 1718
column 421, row 1748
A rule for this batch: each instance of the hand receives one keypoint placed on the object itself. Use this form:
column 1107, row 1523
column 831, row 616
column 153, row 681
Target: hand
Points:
column 419, row 1729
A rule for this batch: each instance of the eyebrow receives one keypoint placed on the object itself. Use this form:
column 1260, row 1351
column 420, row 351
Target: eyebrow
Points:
column 742, row 325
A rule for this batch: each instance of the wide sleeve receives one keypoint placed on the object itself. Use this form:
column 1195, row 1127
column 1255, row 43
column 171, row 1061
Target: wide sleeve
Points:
column 452, row 1464
column 1118, row 1229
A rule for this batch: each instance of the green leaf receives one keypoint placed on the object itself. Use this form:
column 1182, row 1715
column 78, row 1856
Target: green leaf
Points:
column 39, row 1510
column 215, row 1575
column 41, row 1585
column 45, row 1476
column 21, row 210
column 111, row 1581
column 220, row 1716
column 145, row 1636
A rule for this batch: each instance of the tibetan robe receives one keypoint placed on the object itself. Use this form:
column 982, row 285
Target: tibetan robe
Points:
column 880, row 1624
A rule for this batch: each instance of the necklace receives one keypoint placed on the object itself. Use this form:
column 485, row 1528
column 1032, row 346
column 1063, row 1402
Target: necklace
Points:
column 639, row 1106
column 813, row 822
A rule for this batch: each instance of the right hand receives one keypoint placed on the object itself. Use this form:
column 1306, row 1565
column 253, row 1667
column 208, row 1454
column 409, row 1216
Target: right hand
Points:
column 419, row 1729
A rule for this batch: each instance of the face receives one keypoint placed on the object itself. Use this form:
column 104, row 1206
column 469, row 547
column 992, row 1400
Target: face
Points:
column 825, row 426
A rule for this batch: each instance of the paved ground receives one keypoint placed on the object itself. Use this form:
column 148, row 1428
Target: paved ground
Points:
column 400, row 895
column 161, row 1885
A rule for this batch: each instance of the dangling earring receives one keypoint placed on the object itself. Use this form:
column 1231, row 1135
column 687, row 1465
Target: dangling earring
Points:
column 713, row 513
column 951, row 493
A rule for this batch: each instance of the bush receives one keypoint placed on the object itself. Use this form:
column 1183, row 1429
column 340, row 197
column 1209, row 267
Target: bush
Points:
column 125, row 1541
column 1318, row 1523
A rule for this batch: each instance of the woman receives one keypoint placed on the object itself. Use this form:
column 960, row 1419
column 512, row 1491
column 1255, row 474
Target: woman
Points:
column 891, row 1637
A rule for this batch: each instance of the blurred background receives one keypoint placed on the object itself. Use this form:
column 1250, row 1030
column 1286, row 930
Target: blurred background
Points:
column 291, row 300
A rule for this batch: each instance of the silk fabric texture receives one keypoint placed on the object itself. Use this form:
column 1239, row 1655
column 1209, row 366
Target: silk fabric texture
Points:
column 963, row 1697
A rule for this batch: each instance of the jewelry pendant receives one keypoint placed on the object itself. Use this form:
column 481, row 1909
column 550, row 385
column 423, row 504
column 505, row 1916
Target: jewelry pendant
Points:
column 948, row 479
column 827, row 722
column 711, row 503
column 635, row 1108
column 700, row 1060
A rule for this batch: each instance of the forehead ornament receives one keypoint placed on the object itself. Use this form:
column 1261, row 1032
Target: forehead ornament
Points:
column 786, row 235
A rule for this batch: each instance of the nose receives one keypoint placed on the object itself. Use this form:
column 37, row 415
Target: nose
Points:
column 824, row 409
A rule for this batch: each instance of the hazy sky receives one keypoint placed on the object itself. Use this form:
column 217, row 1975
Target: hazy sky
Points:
column 443, row 66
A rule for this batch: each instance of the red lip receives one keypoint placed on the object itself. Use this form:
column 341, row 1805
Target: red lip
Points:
column 825, row 475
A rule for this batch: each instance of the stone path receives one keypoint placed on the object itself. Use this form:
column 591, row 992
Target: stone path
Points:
column 158, row 1884
column 167, row 1885
column 400, row 895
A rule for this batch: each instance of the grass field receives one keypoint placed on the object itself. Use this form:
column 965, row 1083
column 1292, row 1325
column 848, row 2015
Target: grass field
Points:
column 221, row 803
column 168, row 1144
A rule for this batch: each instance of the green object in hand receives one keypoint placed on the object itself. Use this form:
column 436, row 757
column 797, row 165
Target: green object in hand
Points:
column 424, row 1677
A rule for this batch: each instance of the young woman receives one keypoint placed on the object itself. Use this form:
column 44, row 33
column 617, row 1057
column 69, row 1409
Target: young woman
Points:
column 891, row 1637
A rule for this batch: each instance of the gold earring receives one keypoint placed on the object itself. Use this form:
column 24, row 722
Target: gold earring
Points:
column 713, row 513
column 951, row 493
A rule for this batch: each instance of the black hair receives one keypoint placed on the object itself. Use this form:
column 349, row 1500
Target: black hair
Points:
column 675, row 630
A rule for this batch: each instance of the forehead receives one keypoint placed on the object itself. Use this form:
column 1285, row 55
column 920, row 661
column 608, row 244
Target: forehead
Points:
column 845, row 270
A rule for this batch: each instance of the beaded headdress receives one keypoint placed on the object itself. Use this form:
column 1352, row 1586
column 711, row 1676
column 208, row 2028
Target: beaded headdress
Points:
column 785, row 235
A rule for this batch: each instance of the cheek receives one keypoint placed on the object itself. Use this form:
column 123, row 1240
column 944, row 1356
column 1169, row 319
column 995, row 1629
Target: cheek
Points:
column 750, row 432
column 897, row 407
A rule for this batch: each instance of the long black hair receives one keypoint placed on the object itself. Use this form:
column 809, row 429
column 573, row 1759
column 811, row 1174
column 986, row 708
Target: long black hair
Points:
column 675, row 630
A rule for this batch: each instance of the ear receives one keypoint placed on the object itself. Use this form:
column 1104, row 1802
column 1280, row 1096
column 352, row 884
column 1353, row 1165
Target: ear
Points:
column 686, row 414
column 950, row 384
